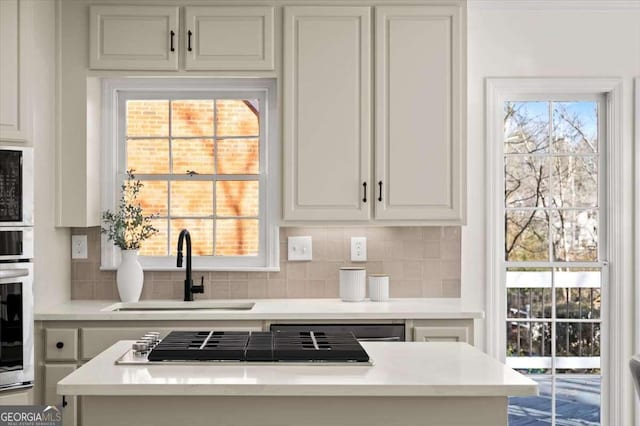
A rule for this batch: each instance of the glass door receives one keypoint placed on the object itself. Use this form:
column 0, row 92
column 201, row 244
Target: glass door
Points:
column 554, row 270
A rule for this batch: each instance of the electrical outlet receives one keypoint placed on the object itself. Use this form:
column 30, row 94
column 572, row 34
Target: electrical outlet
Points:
column 79, row 247
column 358, row 249
column 299, row 248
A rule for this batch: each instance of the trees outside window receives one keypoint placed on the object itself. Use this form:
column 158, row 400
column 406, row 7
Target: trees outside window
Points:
column 552, row 245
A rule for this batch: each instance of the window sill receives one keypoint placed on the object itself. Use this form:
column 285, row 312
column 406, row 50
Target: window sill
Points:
column 210, row 269
column 169, row 269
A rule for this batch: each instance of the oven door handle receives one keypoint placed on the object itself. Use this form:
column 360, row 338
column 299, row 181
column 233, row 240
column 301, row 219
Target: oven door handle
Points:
column 380, row 339
column 14, row 273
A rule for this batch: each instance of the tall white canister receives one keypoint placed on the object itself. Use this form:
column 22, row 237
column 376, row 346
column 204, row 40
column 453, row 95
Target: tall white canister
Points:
column 353, row 284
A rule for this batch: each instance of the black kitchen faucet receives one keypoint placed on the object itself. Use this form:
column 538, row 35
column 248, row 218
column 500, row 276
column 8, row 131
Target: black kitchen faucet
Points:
column 189, row 288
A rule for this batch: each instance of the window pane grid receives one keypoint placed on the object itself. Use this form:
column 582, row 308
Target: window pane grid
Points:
column 186, row 177
column 215, row 166
column 552, row 205
column 555, row 320
column 137, row 138
column 240, row 222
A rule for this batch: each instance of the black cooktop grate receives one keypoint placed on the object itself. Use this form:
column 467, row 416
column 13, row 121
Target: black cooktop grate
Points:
column 304, row 346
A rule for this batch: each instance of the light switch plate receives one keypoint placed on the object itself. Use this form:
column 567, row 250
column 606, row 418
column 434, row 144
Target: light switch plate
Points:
column 358, row 249
column 299, row 248
column 79, row 247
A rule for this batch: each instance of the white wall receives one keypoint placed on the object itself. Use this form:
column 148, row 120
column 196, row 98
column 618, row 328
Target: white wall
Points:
column 544, row 39
column 52, row 245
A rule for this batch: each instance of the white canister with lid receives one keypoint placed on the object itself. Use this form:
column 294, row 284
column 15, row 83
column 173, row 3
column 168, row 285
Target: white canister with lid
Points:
column 379, row 287
column 353, row 284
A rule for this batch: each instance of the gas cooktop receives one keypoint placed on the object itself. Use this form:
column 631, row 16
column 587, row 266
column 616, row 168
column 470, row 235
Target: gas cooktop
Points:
column 248, row 347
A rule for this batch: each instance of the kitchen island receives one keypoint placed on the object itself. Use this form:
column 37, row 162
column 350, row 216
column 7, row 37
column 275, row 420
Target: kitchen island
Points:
column 409, row 383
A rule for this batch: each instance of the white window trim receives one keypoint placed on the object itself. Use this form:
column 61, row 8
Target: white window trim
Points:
column 113, row 90
column 637, row 228
column 616, row 381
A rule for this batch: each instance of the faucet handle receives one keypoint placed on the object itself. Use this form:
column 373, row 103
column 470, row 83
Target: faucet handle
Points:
column 199, row 288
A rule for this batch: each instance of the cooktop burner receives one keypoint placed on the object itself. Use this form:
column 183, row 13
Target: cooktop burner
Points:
column 307, row 346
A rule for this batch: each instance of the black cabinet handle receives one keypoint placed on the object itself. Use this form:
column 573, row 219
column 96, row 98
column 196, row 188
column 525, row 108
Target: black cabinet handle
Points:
column 172, row 36
column 59, row 345
column 189, row 34
column 364, row 191
column 380, row 195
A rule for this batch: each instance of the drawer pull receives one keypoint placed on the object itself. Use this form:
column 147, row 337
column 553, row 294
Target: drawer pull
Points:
column 172, row 36
column 380, row 196
column 189, row 34
column 364, row 185
column 59, row 345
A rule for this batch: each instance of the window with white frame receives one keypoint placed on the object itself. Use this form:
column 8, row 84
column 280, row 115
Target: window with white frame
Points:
column 553, row 250
column 201, row 150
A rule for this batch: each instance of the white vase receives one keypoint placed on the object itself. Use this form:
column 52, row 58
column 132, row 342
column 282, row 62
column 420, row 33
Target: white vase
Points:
column 129, row 276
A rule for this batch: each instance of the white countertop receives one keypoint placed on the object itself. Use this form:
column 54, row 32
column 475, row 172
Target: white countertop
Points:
column 271, row 309
column 400, row 369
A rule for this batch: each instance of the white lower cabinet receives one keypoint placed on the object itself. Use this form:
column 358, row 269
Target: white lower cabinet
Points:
column 17, row 397
column 83, row 340
column 53, row 373
column 62, row 347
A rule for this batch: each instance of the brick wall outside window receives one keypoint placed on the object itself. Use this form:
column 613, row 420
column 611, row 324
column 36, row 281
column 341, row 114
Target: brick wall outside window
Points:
column 208, row 137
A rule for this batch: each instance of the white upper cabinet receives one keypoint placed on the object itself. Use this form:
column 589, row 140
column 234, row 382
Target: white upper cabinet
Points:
column 14, row 48
column 134, row 37
column 229, row 38
column 327, row 113
column 420, row 113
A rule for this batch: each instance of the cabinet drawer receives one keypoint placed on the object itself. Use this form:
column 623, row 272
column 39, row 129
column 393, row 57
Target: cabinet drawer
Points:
column 17, row 397
column 61, row 344
column 441, row 334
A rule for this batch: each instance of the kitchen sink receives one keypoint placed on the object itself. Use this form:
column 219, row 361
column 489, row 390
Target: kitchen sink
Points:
column 176, row 305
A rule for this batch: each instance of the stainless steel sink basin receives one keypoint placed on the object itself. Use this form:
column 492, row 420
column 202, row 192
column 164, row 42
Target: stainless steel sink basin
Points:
column 203, row 305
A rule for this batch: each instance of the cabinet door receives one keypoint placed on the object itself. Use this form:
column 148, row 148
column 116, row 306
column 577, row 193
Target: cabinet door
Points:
column 53, row 373
column 14, row 45
column 229, row 38
column 442, row 334
column 326, row 133
column 134, row 37
column 420, row 120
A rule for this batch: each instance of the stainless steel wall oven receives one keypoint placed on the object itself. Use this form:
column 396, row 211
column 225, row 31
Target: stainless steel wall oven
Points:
column 16, row 267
